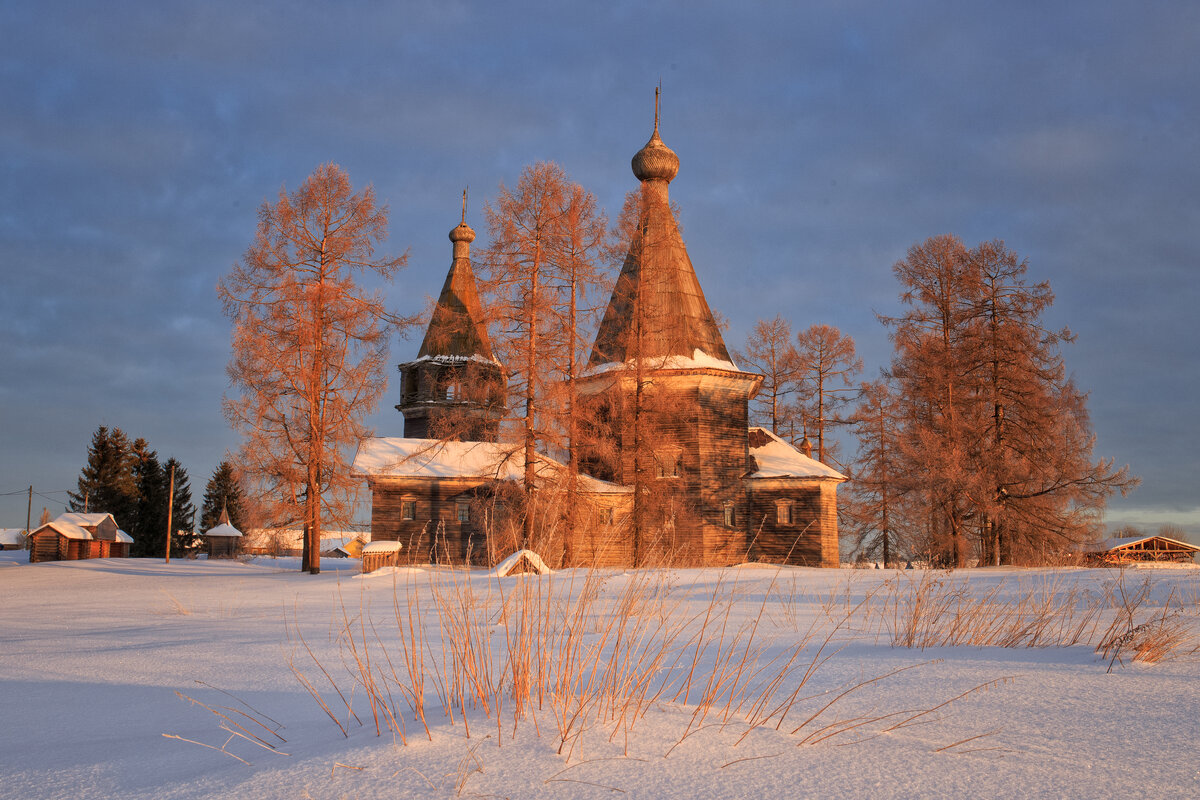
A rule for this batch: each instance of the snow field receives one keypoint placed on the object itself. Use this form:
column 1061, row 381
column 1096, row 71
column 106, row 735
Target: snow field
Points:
column 715, row 683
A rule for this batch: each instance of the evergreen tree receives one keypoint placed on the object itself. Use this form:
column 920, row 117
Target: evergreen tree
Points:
column 183, row 513
column 106, row 484
column 148, row 525
column 223, row 491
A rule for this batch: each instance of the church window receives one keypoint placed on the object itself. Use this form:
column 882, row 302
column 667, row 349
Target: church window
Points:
column 783, row 512
column 667, row 464
column 464, row 511
column 729, row 515
column 408, row 509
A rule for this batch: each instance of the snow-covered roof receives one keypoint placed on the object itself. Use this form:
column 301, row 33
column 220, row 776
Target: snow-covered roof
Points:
column 1125, row 541
column 294, row 537
column 83, row 520
column 122, row 536
column 68, row 529
column 698, row 360
column 10, row 537
column 381, row 547
column 224, row 529
column 509, row 564
column 429, row 458
column 778, row 459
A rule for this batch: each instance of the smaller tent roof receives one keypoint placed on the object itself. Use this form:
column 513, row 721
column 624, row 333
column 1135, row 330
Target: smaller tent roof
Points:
column 224, row 529
column 775, row 458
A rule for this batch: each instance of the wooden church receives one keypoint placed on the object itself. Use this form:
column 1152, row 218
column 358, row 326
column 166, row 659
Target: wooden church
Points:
column 672, row 472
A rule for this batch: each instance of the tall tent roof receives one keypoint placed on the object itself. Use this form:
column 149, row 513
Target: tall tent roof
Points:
column 456, row 328
column 657, row 309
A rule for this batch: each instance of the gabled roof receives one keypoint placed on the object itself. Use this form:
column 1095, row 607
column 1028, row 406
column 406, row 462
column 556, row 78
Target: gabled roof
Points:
column 1122, row 542
column 66, row 529
column 83, row 520
column 10, row 537
column 657, row 309
column 429, row 458
column 456, row 328
column 775, row 458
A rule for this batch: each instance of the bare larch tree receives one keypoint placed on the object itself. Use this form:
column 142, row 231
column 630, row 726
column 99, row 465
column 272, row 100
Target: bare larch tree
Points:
column 309, row 348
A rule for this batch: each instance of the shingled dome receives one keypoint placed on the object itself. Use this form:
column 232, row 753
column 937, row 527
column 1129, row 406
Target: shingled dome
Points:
column 655, row 161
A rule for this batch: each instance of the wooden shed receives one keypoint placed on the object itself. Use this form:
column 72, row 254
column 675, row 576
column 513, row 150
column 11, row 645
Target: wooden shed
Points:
column 12, row 538
column 1135, row 549
column 380, row 554
column 59, row 540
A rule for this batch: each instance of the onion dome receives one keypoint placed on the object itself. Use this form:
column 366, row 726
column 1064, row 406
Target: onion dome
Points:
column 462, row 232
column 655, row 161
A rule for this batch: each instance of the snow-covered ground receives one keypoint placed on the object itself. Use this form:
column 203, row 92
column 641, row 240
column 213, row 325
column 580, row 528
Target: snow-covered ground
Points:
column 104, row 666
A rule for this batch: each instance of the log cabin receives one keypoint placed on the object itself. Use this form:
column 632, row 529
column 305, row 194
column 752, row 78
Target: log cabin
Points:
column 74, row 536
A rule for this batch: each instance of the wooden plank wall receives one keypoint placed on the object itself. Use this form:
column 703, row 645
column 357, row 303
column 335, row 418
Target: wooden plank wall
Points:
column 811, row 538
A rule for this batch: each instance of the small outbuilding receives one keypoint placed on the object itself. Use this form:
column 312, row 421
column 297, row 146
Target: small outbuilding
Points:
column 74, row 536
column 12, row 538
column 1137, row 549
column 380, row 554
column 223, row 540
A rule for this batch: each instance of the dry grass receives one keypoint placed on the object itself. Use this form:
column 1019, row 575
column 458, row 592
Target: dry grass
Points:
column 1162, row 634
column 579, row 655
column 937, row 611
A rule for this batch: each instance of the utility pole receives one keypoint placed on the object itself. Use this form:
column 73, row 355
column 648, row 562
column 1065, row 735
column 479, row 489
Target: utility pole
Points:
column 170, row 509
column 28, row 510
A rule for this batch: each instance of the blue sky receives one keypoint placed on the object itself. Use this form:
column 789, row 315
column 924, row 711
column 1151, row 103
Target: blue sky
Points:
column 817, row 142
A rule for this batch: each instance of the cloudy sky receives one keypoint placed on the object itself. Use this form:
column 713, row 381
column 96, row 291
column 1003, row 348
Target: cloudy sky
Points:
column 817, row 141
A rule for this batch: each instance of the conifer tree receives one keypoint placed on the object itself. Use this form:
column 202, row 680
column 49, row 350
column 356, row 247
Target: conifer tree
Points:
column 544, row 260
column 106, row 484
column 771, row 353
column 995, row 438
column 309, row 349
column 148, row 525
column 827, row 364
